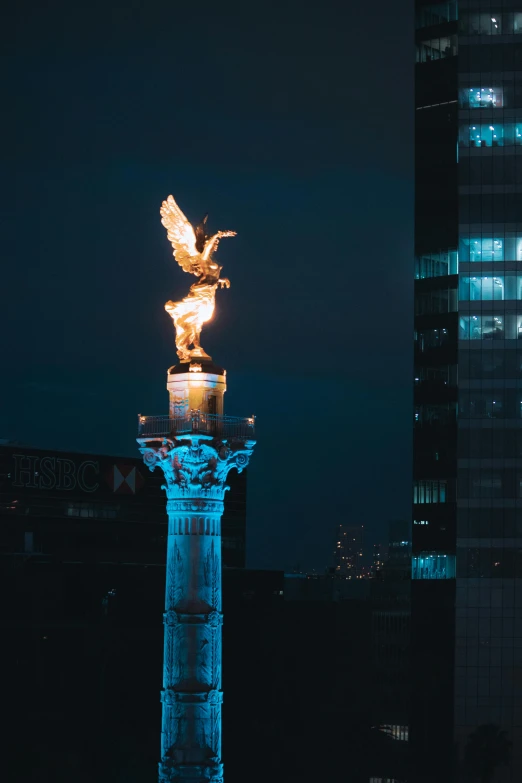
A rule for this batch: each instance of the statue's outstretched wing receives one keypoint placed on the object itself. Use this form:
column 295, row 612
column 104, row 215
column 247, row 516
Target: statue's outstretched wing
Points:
column 181, row 236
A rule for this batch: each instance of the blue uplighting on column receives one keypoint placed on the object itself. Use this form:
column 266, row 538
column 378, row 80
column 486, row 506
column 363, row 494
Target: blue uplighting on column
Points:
column 195, row 470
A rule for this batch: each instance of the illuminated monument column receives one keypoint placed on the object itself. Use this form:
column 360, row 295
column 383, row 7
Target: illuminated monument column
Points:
column 195, row 446
column 195, row 459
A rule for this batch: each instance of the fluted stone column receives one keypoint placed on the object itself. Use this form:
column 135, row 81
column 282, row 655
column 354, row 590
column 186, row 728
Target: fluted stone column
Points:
column 195, row 467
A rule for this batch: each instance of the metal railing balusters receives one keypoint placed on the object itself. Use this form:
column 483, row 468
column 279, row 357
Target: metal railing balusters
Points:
column 196, row 422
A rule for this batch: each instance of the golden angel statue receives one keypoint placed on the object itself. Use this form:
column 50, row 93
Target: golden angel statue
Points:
column 193, row 250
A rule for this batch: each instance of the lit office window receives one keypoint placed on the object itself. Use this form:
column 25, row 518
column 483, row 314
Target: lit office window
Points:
column 490, row 327
column 437, row 49
column 433, row 565
column 493, row 22
column 483, row 249
column 489, row 134
column 486, row 135
column 481, row 97
column 436, row 264
column 486, row 250
column 482, row 289
column 481, row 327
column 429, row 491
column 490, row 287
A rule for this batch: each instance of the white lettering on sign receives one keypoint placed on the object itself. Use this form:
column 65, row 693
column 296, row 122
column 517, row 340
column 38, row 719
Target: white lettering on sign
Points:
column 25, row 471
column 47, row 473
column 55, row 473
column 66, row 473
column 82, row 478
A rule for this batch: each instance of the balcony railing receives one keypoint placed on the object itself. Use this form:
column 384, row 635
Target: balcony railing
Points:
column 196, row 422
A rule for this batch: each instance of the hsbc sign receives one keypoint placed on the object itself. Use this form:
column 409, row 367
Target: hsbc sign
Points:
column 60, row 473
column 124, row 479
column 66, row 475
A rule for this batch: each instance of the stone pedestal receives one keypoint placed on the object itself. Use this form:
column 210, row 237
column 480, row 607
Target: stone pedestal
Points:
column 195, row 466
column 198, row 386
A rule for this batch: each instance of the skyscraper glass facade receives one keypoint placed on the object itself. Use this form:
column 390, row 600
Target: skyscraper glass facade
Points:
column 467, row 512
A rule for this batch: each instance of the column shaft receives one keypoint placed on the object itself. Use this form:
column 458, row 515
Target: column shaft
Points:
column 195, row 470
column 191, row 720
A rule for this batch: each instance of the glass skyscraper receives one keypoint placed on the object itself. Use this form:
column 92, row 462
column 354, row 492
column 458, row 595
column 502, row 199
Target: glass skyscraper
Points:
column 467, row 490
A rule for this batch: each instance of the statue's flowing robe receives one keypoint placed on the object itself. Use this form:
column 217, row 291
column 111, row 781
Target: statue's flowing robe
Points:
column 195, row 309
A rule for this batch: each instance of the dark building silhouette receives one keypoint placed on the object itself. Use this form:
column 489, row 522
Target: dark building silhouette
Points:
column 467, row 520
column 324, row 587
column 391, row 678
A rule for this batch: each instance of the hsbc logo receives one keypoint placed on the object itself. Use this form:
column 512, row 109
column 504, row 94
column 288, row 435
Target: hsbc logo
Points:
column 124, row 479
column 64, row 474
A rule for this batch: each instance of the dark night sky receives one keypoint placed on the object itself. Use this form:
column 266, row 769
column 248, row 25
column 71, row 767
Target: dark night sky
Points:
column 288, row 122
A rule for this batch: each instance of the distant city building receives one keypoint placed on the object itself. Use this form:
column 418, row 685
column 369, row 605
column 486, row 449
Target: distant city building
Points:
column 378, row 558
column 348, row 552
column 324, row 587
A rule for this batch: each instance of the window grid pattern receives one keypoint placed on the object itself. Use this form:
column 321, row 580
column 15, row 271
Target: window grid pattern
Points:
column 488, row 629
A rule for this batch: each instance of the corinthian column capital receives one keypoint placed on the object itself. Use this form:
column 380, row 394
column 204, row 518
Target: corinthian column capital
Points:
column 196, row 468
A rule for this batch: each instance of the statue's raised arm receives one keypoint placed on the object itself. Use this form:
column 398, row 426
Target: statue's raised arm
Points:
column 193, row 249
